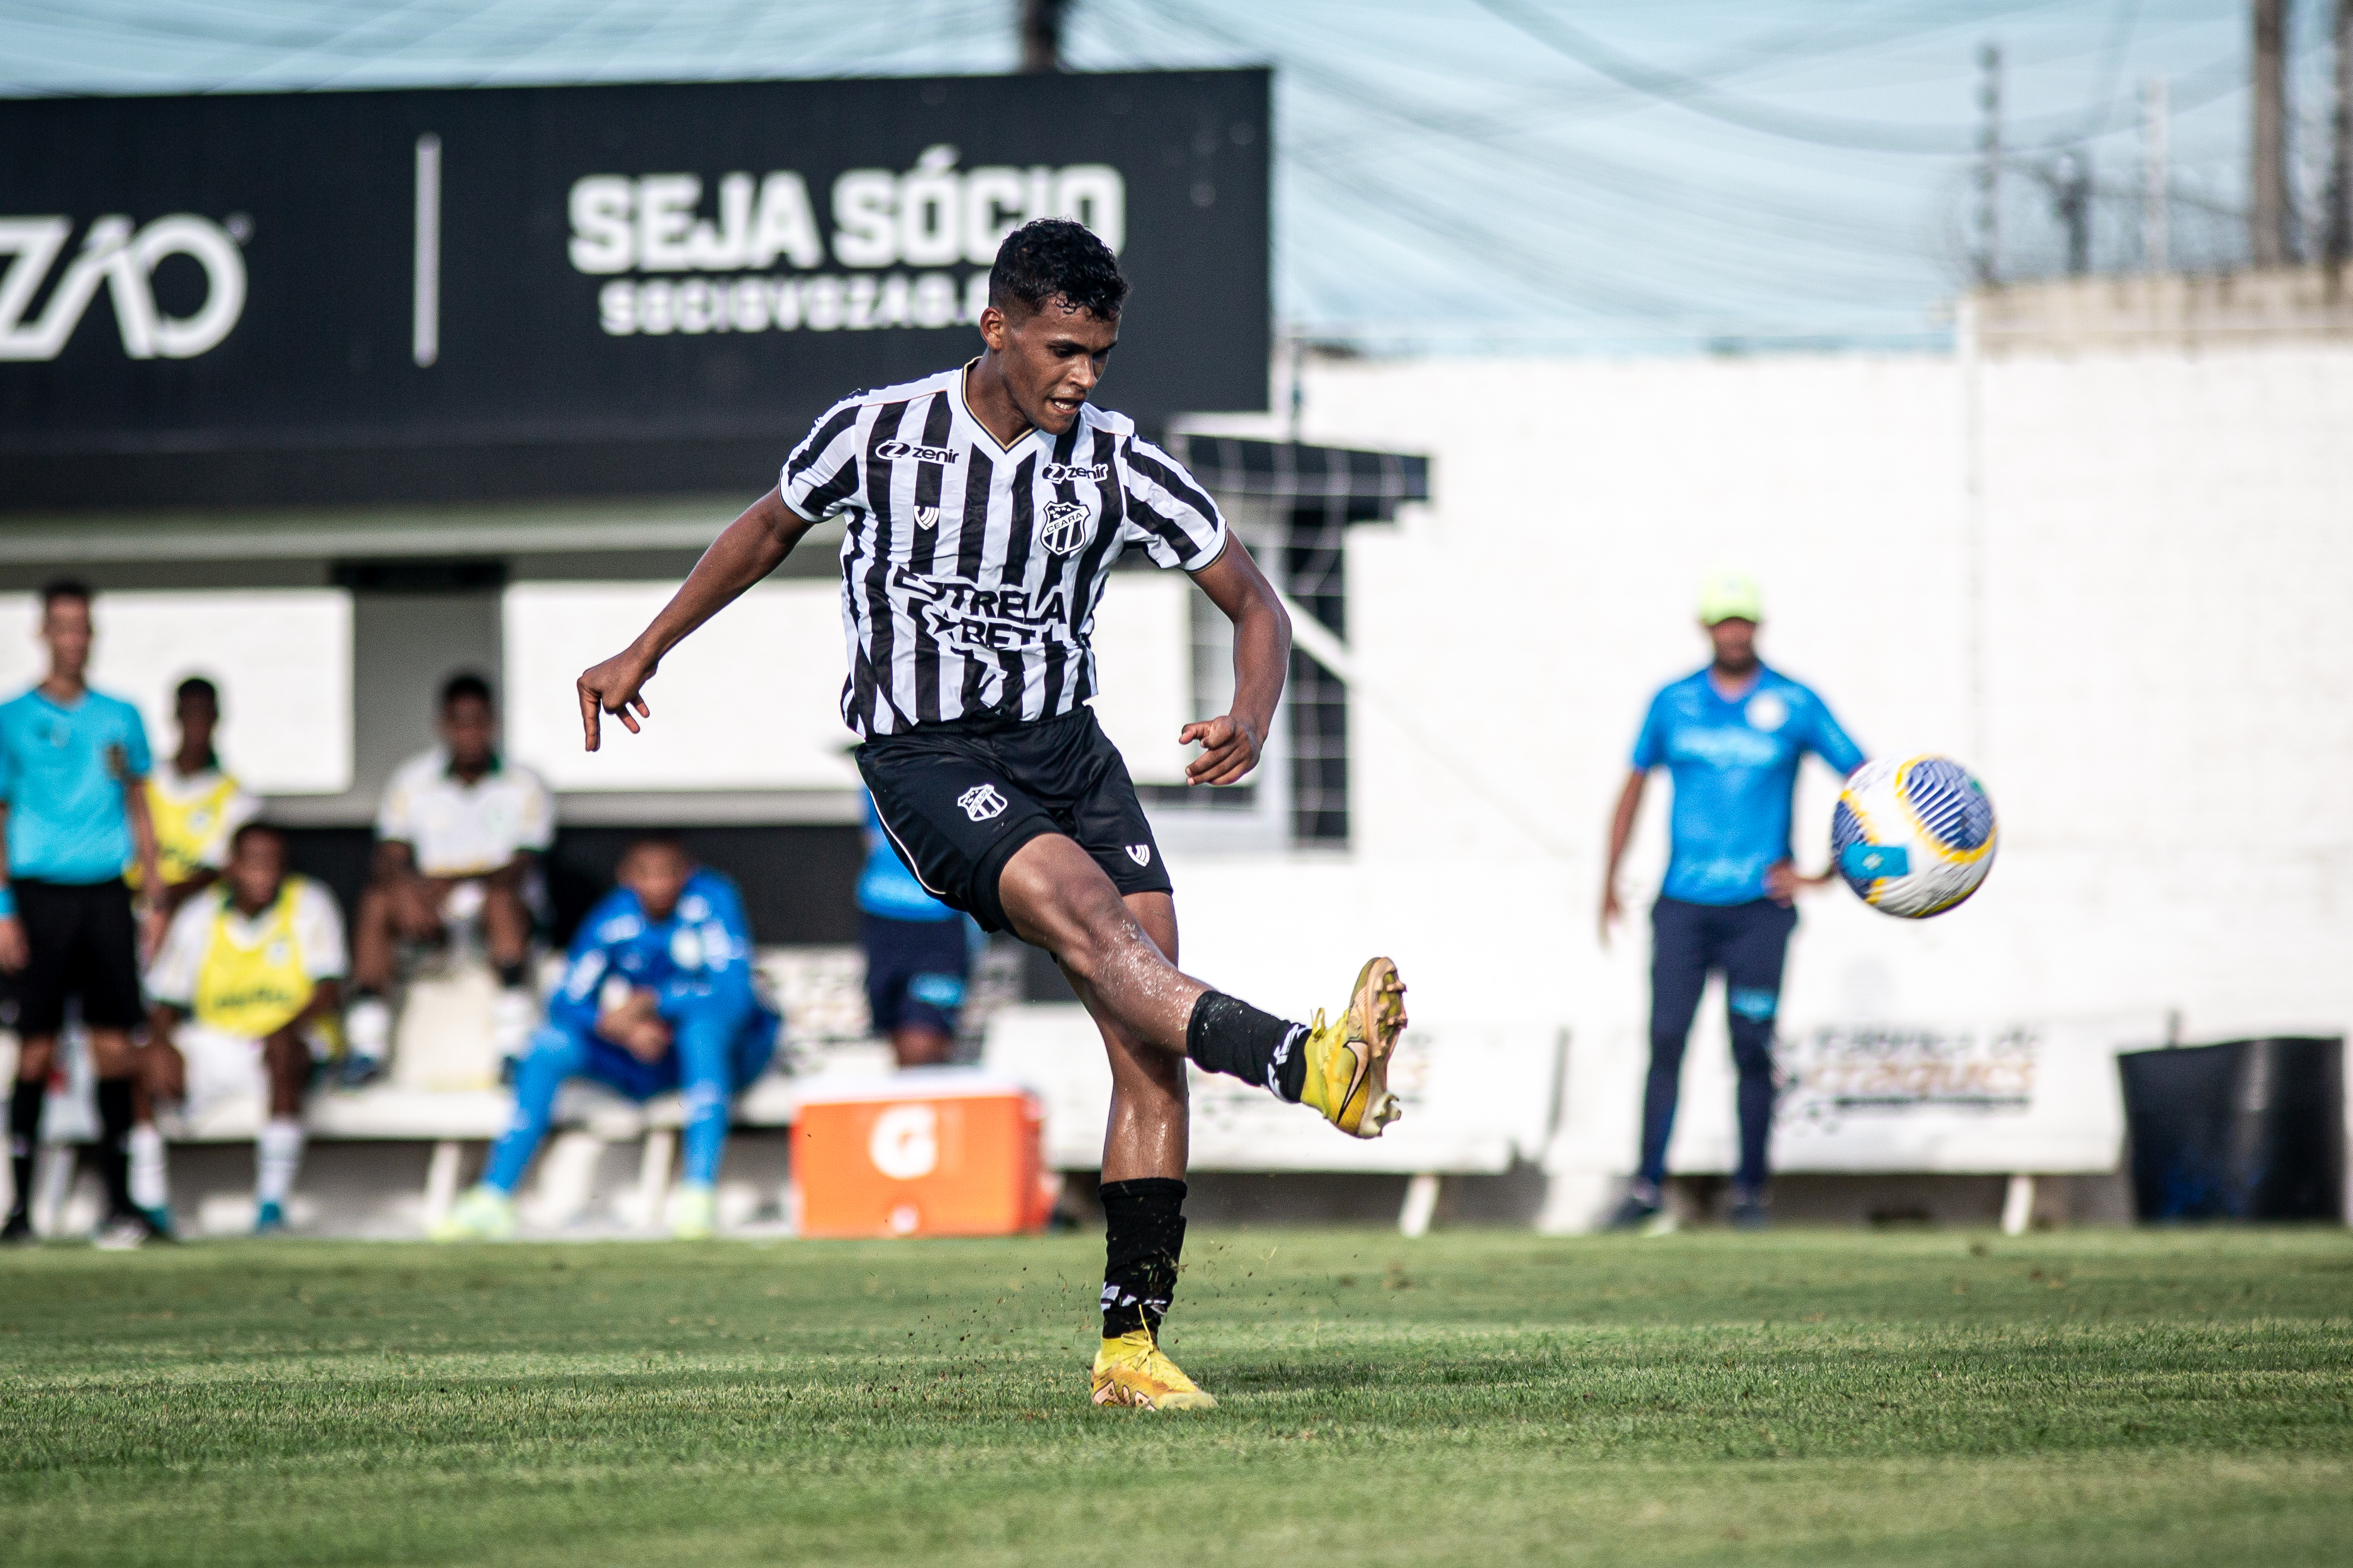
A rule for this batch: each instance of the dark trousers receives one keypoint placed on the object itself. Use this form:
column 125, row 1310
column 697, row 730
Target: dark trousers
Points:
column 1746, row 943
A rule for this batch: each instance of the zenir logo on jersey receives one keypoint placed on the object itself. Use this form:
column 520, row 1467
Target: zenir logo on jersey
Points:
column 927, row 517
column 982, row 802
column 1056, row 473
column 1066, row 526
column 891, row 451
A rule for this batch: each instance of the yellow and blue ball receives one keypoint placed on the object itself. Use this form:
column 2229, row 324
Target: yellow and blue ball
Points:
column 1914, row 838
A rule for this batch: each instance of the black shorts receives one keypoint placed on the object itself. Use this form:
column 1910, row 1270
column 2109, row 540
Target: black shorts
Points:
column 82, row 942
column 957, row 803
column 914, row 971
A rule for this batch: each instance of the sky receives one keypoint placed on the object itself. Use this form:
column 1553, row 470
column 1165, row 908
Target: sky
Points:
column 1615, row 176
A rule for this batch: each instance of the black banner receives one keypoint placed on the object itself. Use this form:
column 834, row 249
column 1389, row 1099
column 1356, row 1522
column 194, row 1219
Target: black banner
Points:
column 545, row 292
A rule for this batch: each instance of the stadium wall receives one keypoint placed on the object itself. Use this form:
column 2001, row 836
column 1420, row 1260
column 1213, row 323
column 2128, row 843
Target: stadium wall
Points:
column 2112, row 583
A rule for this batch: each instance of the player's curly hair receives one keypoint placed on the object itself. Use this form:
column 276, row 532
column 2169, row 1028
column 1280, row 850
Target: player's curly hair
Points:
column 1054, row 257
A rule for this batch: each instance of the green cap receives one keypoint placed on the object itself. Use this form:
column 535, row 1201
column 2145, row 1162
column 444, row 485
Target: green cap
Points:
column 1730, row 596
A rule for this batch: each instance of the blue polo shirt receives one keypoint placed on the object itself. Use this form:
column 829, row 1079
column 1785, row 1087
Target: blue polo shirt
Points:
column 62, row 771
column 886, row 887
column 1735, row 766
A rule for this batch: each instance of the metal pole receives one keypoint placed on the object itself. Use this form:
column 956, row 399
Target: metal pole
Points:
column 1042, row 35
column 2337, row 229
column 2156, row 236
column 2071, row 199
column 2267, row 218
column 1989, row 256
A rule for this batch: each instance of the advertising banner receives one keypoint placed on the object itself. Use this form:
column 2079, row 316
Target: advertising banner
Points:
column 547, row 292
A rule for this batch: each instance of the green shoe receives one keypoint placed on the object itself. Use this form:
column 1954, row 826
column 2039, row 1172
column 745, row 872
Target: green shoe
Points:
column 484, row 1214
column 694, row 1213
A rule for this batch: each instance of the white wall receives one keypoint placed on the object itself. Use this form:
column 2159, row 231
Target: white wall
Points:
column 281, row 657
column 2157, row 710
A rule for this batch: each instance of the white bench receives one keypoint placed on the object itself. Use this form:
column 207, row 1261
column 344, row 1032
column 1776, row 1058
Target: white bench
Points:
column 1477, row 1099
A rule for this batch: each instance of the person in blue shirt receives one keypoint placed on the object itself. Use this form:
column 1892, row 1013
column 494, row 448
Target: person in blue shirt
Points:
column 71, row 761
column 1731, row 738
column 918, row 954
column 657, row 994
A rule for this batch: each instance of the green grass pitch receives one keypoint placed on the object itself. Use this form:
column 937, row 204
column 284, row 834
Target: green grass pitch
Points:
column 1822, row 1397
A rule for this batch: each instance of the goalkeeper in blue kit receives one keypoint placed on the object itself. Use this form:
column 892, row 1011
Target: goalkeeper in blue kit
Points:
column 656, row 996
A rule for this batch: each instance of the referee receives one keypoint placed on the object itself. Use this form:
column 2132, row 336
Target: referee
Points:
column 1731, row 737
column 71, row 818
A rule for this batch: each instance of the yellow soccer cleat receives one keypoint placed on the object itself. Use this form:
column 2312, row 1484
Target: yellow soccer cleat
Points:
column 1131, row 1370
column 1348, row 1061
column 694, row 1213
column 484, row 1214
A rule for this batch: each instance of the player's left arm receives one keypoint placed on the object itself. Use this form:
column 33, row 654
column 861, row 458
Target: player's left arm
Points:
column 156, row 912
column 1231, row 745
column 753, row 546
column 1826, row 740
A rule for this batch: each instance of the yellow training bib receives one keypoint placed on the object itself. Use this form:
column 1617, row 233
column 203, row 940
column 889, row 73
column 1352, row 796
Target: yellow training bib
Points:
column 185, row 829
column 253, row 992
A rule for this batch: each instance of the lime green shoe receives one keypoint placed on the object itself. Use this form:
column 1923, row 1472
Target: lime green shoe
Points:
column 694, row 1213
column 1348, row 1061
column 1130, row 1371
column 484, row 1214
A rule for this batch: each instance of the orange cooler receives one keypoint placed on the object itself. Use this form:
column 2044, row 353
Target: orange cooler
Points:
column 937, row 1151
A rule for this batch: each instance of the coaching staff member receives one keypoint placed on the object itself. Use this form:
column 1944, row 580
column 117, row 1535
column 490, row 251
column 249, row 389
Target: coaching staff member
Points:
column 71, row 761
column 1731, row 737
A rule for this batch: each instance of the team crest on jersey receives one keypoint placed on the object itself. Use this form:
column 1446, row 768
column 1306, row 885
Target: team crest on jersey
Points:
column 1065, row 527
column 982, row 802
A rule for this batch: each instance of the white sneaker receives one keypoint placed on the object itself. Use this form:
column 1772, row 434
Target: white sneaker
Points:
column 512, row 1018
column 367, row 1027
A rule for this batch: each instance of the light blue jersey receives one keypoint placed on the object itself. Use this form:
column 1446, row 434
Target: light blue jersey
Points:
column 63, row 771
column 1735, row 766
column 886, row 887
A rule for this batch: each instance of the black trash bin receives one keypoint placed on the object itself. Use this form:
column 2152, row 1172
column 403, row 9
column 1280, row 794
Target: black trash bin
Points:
column 2249, row 1129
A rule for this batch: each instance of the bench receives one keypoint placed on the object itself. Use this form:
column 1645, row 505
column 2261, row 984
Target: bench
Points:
column 1478, row 1099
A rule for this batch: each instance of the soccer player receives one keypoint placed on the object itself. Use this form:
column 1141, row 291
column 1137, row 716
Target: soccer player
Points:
column 195, row 805
column 918, row 954
column 459, row 832
column 72, row 759
column 982, row 509
column 1731, row 738
column 657, row 994
column 248, row 982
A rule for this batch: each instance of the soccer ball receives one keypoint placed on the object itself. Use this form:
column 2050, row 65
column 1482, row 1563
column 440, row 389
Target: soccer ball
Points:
column 1912, row 838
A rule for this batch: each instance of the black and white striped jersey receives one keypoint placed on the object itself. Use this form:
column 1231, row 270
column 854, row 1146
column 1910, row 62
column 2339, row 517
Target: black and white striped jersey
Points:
column 970, row 570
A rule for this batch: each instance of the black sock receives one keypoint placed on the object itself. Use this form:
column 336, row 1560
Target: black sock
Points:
column 23, row 1137
column 1228, row 1035
column 511, row 975
column 114, row 1144
column 1144, row 1232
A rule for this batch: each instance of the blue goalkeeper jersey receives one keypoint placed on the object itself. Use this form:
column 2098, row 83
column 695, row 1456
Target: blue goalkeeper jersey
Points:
column 1735, row 766
column 701, row 954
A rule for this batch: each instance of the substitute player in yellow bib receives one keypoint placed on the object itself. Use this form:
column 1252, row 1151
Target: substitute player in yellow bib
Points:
column 249, row 980
column 196, row 804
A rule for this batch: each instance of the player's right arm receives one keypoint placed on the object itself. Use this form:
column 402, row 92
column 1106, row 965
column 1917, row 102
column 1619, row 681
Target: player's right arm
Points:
column 753, row 546
column 1650, row 752
column 1622, row 829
